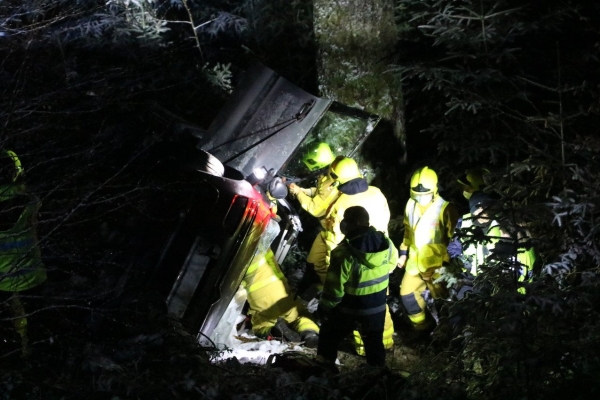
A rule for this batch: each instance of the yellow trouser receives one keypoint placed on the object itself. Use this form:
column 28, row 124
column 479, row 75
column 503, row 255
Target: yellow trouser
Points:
column 319, row 256
column 388, row 335
column 273, row 301
column 411, row 292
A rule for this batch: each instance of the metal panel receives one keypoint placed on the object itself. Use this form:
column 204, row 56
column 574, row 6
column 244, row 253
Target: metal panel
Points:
column 263, row 123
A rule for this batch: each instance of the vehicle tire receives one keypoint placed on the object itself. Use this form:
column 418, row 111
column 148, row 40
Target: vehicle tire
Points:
column 208, row 163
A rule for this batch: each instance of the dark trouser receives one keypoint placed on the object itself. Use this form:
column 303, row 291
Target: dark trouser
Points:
column 15, row 306
column 338, row 326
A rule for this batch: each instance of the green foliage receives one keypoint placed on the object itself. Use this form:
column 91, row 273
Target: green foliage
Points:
column 513, row 87
column 497, row 71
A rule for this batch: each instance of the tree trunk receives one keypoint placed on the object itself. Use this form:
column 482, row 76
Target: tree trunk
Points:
column 355, row 40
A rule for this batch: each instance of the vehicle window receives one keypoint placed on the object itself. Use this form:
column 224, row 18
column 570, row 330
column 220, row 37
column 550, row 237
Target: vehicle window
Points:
column 343, row 133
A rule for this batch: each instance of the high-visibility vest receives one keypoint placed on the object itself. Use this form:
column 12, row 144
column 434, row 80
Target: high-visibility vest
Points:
column 427, row 236
column 21, row 265
column 357, row 275
column 477, row 253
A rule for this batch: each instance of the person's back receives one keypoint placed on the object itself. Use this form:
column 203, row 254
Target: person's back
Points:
column 367, row 256
column 358, row 193
column 353, row 191
column 356, row 286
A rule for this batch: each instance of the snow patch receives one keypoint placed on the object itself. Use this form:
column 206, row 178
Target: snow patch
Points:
column 252, row 350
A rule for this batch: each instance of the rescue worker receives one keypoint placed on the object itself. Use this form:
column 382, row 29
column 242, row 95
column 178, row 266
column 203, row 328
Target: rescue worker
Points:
column 493, row 240
column 353, row 191
column 429, row 223
column 354, row 293
column 21, row 268
column 270, row 299
column 473, row 181
column 315, row 200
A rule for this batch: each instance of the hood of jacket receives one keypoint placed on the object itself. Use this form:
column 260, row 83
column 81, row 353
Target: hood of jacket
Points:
column 354, row 186
column 370, row 246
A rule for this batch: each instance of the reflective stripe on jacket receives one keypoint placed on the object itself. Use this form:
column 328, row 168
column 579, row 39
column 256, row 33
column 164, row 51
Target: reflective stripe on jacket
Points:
column 21, row 265
column 262, row 272
column 477, row 252
column 357, row 281
column 425, row 235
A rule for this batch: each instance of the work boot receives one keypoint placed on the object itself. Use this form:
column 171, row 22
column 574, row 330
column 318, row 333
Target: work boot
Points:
column 282, row 330
column 310, row 339
column 329, row 369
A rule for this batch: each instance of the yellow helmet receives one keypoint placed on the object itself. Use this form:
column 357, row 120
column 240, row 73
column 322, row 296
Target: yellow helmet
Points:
column 13, row 163
column 423, row 181
column 319, row 157
column 344, row 169
column 473, row 179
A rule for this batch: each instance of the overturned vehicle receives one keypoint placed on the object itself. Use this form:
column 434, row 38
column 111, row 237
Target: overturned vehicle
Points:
column 258, row 137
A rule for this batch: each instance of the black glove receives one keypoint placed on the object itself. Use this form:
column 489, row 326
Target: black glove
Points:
column 505, row 249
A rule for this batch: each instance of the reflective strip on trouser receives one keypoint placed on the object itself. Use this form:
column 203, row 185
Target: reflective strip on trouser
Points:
column 272, row 302
column 259, row 285
column 411, row 292
column 319, row 256
column 388, row 335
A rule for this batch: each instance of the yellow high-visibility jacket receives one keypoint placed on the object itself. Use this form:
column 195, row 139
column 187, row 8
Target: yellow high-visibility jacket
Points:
column 427, row 232
column 21, row 265
column 477, row 253
column 356, row 193
column 316, row 200
column 269, row 297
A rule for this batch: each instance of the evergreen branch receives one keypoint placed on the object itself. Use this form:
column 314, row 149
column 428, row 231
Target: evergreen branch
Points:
column 189, row 12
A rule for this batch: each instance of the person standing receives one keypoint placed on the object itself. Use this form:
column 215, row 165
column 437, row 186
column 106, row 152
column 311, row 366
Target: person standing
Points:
column 355, row 288
column 315, row 200
column 495, row 242
column 429, row 223
column 21, row 267
column 353, row 191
